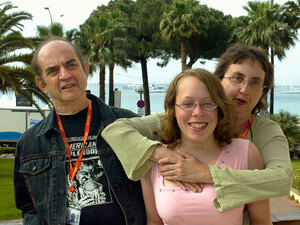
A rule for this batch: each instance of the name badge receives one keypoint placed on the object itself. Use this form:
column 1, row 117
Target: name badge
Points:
column 73, row 216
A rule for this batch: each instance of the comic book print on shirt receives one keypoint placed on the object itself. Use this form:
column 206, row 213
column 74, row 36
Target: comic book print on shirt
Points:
column 90, row 183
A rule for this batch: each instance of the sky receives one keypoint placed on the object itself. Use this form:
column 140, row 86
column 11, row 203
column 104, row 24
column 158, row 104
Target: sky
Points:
column 73, row 13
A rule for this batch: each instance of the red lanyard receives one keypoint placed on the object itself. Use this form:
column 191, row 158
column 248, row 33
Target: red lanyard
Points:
column 245, row 132
column 86, row 133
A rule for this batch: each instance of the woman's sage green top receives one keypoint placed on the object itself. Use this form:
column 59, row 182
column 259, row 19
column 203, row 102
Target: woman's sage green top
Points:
column 134, row 140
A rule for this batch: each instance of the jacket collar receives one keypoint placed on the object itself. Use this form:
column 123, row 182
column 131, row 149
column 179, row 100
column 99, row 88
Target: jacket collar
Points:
column 106, row 113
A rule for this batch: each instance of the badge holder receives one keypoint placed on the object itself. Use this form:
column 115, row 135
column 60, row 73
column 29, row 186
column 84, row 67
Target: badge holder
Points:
column 73, row 216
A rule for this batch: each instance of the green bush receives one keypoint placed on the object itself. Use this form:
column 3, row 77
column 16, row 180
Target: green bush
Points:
column 290, row 125
column 7, row 150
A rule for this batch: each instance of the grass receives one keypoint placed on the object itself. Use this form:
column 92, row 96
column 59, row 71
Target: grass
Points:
column 296, row 166
column 296, row 179
column 8, row 208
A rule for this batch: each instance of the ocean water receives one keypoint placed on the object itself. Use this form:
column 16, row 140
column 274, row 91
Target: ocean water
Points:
column 129, row 98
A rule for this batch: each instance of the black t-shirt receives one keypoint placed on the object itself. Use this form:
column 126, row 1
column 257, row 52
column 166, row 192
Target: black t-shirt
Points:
column 92, row 192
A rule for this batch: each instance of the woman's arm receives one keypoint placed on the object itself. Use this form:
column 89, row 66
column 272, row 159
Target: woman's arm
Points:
column 273, row 181
column 134, row 140
column 259, row 211
column 151, row 212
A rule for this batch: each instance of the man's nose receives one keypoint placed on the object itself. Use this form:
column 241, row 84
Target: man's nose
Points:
column 64, row 74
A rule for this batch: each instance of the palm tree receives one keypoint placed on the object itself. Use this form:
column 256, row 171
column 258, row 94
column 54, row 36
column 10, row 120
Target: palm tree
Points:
column 56, row 29
column 115, row 45
column 181, row 21
column 93, row 50
column 107, row 44
column 266, row 28
column 19, row 79
column 292, row 14
column 145, row 17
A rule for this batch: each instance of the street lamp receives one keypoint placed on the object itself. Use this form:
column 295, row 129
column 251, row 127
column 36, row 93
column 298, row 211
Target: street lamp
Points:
column 47, row 8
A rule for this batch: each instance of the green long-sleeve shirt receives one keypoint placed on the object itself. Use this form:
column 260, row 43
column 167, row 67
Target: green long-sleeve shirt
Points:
column 134, row 140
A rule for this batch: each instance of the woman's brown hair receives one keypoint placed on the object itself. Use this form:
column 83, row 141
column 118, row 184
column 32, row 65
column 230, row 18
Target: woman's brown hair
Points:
column 237, row 54
column 225, row 129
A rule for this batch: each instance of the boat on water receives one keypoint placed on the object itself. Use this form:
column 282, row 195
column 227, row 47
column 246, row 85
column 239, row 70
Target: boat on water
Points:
column 154, row 88
column 133, row 86
column 290, row 90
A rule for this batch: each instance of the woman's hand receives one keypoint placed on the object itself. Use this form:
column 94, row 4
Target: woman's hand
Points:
column 187, row 169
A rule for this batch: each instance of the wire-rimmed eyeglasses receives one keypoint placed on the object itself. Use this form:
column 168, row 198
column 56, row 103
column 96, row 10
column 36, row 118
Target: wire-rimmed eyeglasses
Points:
column 190, row 106
column 240, row 81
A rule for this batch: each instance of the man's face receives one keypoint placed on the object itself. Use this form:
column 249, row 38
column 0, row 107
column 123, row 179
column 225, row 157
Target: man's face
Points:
column 244, row 96
column 62, row 74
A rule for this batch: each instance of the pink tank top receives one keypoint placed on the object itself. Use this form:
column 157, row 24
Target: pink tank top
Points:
column 177, row 207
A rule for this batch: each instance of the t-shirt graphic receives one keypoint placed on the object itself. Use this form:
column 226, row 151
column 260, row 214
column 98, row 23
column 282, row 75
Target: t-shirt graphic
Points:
column 90, row 183
column 92, row 195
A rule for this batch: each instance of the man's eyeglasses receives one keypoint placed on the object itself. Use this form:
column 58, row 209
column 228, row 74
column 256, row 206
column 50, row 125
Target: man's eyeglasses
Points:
column 239, row 81
column 190, row 106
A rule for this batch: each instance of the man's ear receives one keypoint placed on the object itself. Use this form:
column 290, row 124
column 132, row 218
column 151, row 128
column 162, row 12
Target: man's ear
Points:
column 41, row 84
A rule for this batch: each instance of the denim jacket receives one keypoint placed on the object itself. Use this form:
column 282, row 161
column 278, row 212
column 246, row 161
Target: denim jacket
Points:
column 40, row 179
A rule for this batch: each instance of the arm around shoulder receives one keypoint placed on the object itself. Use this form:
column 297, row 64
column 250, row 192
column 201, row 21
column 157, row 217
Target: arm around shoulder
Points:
column 134, row 140
column 274, row 149
column 273, row 181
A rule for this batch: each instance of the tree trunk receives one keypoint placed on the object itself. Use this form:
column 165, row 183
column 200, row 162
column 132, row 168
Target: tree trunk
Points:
column 145, row 85
column 183, row 53
column 102, row 82
column 272, row 88
column 111, row 85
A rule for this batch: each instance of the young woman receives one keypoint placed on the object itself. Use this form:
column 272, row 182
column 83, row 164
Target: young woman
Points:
column 199, row 121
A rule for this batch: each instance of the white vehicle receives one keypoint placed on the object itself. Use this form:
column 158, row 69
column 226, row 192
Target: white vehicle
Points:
column 15, row 120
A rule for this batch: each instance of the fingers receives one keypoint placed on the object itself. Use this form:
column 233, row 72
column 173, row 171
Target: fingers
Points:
column 166, row 168
column 180, row 185
column 185, row 155
column 167, row 160
column 186, row 186
column 194, row 187
column 171, row 158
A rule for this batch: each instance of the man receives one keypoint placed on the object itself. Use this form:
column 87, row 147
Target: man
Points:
column 62, row 165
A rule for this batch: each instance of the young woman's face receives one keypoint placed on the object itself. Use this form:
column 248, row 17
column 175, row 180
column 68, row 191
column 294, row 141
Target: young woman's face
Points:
column 197, row 124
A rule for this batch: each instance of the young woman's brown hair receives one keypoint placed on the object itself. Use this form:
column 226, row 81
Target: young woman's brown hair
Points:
column 225, row 129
